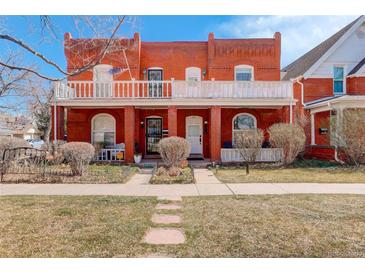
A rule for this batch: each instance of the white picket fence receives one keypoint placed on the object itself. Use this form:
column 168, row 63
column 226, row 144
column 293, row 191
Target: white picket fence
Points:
column 230, row 155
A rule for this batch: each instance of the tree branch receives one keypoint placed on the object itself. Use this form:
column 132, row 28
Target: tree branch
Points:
column 86, row 67
column 29, row 70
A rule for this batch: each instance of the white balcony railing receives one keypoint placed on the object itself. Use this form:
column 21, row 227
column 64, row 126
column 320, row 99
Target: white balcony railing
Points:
column 173, row 89
column 229, row 155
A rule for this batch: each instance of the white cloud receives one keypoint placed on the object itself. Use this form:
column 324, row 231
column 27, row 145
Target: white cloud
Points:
column 299, row 33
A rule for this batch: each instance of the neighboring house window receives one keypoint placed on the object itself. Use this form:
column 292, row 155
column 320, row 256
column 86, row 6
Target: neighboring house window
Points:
column 243, row 73
column 103, row 129
column 242, row 121
column 338, row 79
column 192, row 74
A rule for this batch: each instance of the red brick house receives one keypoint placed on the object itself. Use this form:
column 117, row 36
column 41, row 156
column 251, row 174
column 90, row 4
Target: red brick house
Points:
column 326, row 80
column 202, row 91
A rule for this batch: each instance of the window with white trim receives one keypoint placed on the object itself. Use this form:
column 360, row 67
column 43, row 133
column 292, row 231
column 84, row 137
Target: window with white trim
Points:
column 103, row 73
column 103, row 129
column 242, row 122
column 192, row 74
column 338, row 79
column 243, row 73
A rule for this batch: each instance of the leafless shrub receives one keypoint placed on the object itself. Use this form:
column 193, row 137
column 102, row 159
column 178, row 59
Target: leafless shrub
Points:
column 12, row 142
column 78, row 155
column 248, row 142
column 290, row 138
column 55, row 152
column 349, row 134
column 173, row 150
column 8, row 143
column 302, row 120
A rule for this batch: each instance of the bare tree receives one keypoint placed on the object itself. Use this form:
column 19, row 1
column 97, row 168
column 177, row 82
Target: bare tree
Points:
column 99, row 47
column 40, row 105
column 249, row 143
column 12, row 83
column 348, row 133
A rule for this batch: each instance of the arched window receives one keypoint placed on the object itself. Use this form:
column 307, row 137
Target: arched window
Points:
column 103, row 129
column 243, row 121
column 243, row 73
column 192, row 74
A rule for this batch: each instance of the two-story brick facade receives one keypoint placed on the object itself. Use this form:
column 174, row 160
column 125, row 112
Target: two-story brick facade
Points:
column 202, row 91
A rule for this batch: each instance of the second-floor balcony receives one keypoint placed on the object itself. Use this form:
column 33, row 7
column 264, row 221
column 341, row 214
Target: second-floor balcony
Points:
column 173, row 89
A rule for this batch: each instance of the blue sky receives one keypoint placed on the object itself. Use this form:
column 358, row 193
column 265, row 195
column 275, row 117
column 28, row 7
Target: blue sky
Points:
column 299, row 33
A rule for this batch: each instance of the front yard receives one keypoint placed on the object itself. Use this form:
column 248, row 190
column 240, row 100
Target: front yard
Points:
column 240, row 226
column 61, row 174
column 291, row 175
column 65, row 226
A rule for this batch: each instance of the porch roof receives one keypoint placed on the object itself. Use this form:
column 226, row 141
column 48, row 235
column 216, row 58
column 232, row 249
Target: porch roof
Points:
column 343, row 101
column 193, row 102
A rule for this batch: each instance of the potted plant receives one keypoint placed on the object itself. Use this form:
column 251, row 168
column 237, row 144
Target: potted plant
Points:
column 137, row 154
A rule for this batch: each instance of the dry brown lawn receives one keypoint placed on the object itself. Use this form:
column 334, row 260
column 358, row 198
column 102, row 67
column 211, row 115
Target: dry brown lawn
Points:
column 275, row 226
column 61, row 174
column 79, row 226
column 235, row 226
column 292, row 175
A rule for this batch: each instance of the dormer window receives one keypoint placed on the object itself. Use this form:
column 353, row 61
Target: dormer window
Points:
column 243, row 73
column 338, row 79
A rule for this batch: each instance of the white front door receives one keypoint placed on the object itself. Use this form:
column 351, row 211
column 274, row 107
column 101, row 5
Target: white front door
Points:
column 194, row 133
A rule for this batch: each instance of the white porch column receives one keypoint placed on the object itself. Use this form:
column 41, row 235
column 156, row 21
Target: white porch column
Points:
column 291, row 111
column 313, row 130
column 54, row 117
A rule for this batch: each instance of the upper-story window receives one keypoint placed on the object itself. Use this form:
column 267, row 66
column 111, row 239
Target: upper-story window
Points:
column 338, row 79
column 103, row 80
column 243, row 73
column 192, row 74
column 103, row 73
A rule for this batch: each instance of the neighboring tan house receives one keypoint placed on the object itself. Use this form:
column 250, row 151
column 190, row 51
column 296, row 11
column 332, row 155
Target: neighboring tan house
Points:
column 327, row 80
column 202, row 91
column 19, row 127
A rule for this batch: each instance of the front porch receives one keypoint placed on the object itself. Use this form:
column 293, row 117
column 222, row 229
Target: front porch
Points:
column 325, row 115
column 124, row 131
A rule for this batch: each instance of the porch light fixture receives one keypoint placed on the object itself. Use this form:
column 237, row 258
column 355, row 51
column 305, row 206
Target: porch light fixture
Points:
column 204, row 72
column 205, row 126
column 144, row 71
column 142, row 124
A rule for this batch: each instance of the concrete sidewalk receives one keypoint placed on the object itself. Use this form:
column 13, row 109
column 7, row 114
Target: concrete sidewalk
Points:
column 204, row 189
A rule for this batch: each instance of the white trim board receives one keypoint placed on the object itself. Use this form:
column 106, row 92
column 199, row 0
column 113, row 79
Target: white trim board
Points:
column 331, row 50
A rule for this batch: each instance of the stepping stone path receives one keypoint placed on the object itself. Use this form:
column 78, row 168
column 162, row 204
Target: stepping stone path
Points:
column 165, row 219
column 166, row 235
column 168, row 206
